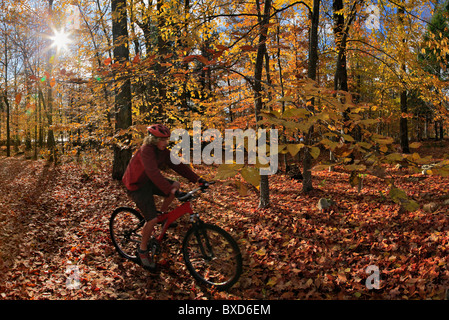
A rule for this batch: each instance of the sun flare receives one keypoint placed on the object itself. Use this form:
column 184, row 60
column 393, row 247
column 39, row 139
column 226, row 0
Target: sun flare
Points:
column 60, row 39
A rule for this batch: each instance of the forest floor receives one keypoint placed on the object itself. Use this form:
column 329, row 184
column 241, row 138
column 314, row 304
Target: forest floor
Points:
column 55, row 218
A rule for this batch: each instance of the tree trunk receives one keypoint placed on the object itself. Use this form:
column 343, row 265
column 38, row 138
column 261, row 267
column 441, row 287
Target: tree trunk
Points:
column 8, row 109
column 162, row 51
column 311, row 73
column 341, row 75
column 123, row 117
column 264, row 199
column 50, row 138
column 437, row 130
column 281, row 83
column 403, row 122
column 8, row 130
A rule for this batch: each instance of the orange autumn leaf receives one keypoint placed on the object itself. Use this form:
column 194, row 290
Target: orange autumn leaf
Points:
column 18, row 98
column 247, row 48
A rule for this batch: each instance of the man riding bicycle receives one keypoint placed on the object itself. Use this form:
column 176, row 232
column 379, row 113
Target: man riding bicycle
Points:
column 143, row 179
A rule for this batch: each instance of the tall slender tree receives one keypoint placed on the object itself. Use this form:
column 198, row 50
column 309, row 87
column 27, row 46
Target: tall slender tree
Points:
column 51, row 144
column 311, row 73
column 403, row 121
column 264, row 20
column 123, row 114
column 5, row 96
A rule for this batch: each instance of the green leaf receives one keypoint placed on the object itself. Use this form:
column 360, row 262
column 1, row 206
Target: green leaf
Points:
column 330, row 144
column 225, row 174
column 443, row 172
column 230, row 166
column 368, row 122
column 286, row 99
column 365, row 145
column 293, row 149
column 384, row 140
column 415, row 145
column 314, row 152
column 282, row 149
column 394, row 157
column 293, row 112
column 251, row 175
column 355, row 167
column 226, row 171
column 398, row 195
column 410, row 205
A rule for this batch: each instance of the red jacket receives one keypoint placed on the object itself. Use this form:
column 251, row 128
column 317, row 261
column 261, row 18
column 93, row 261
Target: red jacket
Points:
column 145, row 165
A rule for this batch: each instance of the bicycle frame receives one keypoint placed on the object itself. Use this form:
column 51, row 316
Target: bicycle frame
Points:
column 202, row 243
column 172, row 216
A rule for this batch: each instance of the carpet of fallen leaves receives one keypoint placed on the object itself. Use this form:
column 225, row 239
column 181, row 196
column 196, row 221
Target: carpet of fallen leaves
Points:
column 55, row 218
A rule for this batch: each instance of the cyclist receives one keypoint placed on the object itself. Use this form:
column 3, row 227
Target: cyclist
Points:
column 143, row 179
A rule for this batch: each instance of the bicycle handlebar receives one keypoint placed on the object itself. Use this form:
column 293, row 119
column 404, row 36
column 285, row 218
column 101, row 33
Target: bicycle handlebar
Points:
column 189, row 195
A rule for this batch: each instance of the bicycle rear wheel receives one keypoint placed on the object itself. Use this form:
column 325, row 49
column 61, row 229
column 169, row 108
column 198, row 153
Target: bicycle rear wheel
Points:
column 212, row 256
column 125, row 227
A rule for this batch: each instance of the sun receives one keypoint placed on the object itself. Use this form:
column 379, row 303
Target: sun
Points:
column 60, row 39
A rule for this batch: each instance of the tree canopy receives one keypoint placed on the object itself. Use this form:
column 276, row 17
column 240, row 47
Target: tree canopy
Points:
column 363, row 81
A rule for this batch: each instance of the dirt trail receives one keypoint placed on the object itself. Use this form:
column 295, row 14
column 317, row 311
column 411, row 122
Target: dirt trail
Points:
column 19, row 186
column 45, row 220
column 23, row 187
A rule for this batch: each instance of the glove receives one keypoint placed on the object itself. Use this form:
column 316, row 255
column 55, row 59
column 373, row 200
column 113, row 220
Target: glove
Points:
column 203, row 184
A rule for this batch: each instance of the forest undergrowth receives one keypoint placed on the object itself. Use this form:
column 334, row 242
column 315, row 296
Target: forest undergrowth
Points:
column 54, row 219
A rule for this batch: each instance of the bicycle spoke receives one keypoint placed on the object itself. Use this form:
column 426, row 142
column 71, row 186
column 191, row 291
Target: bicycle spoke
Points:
column 212, row 256
column 125, row 224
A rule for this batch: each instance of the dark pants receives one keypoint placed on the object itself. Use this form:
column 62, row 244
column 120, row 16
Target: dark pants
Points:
column 144, row 199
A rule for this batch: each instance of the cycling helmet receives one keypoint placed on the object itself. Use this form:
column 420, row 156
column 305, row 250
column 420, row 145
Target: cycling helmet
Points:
column 159, row 130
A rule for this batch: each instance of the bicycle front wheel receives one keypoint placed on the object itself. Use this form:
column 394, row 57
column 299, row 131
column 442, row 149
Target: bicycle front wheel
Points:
column 125, row 227
column 212, row 256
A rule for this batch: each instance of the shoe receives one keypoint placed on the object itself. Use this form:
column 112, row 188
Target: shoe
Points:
column 146, row 261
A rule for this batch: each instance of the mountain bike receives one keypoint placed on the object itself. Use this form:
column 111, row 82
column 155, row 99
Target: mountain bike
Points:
column 211, row 254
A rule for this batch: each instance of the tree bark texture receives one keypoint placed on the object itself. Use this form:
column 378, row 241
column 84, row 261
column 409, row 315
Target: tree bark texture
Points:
column 264, row 199
column 123, row 117
column 311, row 73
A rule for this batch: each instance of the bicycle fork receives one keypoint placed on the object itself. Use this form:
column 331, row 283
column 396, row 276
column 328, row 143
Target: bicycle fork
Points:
column 202, row 239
